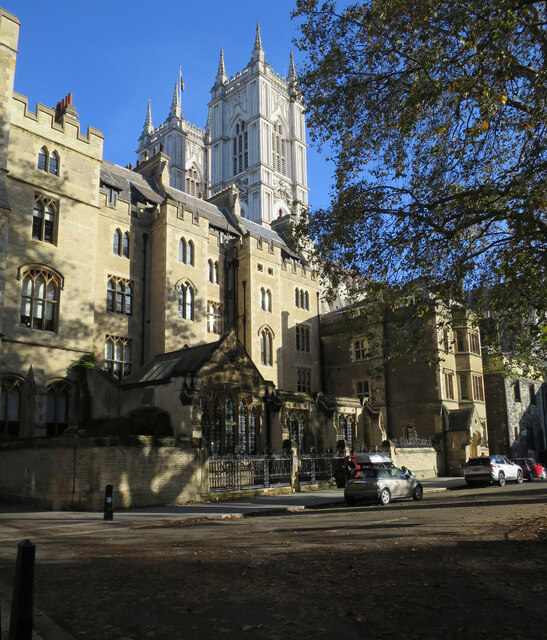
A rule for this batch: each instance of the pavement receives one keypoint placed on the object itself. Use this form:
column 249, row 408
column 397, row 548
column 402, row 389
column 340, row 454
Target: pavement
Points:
column 47, row 629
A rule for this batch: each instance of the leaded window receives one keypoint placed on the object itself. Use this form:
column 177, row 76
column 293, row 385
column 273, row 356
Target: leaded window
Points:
column 43, row 218
column 214, row 317
column 119, row 295
column 186, row 301
column 117, row 356
column 303, row 379
column 302, row 337
column 40, row 299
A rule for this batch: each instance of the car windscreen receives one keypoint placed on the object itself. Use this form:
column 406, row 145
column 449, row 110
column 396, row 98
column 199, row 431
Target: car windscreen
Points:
column 479, row 462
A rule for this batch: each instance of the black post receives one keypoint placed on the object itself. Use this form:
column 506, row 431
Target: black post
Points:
column 20, row 627
column 108, row 503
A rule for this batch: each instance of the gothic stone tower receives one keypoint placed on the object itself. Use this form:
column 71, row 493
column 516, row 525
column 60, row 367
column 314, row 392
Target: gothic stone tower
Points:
column 183, row 142
column 257, row 138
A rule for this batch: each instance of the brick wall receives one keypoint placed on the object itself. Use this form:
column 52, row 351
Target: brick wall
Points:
column 72, row 474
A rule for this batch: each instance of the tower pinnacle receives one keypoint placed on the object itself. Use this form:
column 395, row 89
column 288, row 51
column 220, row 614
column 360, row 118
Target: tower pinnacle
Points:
column 292, row 71
column 175, row 111
column 221, row 73
column 148, row 127
column 258, row 51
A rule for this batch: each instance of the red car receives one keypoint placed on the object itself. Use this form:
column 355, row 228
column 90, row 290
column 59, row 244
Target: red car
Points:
column 531, row 469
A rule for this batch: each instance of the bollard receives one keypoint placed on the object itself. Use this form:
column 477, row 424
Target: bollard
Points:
column 108, row 503
column 20, row 627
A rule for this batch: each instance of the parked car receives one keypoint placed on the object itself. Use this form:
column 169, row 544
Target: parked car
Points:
column 381, row 485
column 345, row 468
column 531, row 469
column 487, row 469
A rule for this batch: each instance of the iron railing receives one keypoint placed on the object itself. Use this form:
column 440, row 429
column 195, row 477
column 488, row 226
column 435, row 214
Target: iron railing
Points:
column 316, row 468
column 239, row 472
column 411, row 443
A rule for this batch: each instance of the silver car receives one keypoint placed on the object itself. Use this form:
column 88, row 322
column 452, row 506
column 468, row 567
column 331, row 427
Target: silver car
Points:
column 381, row 485
column 488, row 469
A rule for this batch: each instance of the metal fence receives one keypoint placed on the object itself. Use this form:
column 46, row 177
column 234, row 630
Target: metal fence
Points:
column 236, row 473
column 411, row 443
column 315, row 468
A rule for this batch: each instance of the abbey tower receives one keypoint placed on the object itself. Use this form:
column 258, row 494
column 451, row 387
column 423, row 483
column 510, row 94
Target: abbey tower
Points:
column 255, row 137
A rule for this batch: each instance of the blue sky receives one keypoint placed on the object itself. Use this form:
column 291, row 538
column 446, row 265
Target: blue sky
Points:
column 114, row 56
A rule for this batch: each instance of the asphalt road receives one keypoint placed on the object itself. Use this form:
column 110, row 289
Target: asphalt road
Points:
column 463, row 563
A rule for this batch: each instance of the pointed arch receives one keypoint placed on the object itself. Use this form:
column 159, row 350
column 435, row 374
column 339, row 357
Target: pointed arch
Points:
column 240, row 147
column 54, row 163
column 266, row 346
column 43, row 156
column 117, row 242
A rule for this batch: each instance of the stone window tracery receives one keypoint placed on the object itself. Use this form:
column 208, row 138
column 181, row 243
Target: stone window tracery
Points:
column 186, row 301
column 43, row 218
column 278, row 149
column 40, row 299
column 117, row 356
column 240, row 146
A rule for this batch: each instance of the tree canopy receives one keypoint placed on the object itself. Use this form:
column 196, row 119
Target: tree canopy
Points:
column 435, row 113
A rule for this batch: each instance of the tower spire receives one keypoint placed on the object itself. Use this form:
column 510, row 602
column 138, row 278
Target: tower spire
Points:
column 148, row 127
column 292, row 72
column 221, row 73
column 175, row 104
column 258, row 51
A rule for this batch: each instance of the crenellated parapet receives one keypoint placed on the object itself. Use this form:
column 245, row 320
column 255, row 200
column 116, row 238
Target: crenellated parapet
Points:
column 62, row 128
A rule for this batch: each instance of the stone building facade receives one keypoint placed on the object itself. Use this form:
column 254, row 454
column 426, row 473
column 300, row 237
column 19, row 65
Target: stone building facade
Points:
column 124, row 266
column 412, row 400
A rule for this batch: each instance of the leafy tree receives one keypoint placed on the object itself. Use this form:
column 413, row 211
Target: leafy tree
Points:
column 436, row 115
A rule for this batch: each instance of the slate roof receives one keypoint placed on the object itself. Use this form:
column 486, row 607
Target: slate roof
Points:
column 130, row 185
column 174, row 363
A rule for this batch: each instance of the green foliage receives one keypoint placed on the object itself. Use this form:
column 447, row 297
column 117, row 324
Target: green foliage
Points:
column 144, row 421
column 436, row 115
column 87, row 361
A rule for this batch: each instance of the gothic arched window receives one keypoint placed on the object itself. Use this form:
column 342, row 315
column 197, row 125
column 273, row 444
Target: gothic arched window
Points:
column 242, row 428
column 186, row 301
column 252, row 431
column 40, row 299
column 278, row 149
column 125, row 245
column 43, row 219
column 117, row 242
column 57, row 408
column 229, row 425
column 266, row 347
column 240, row 146
column 193, row 182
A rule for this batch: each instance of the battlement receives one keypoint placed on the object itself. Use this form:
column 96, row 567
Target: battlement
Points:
column 60, row 124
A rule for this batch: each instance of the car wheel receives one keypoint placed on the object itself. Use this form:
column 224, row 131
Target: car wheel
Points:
column 384, row 496
column 520, row 478
column 544, row 474
column 350, row 501
column 418, row 493
column 501, row 479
